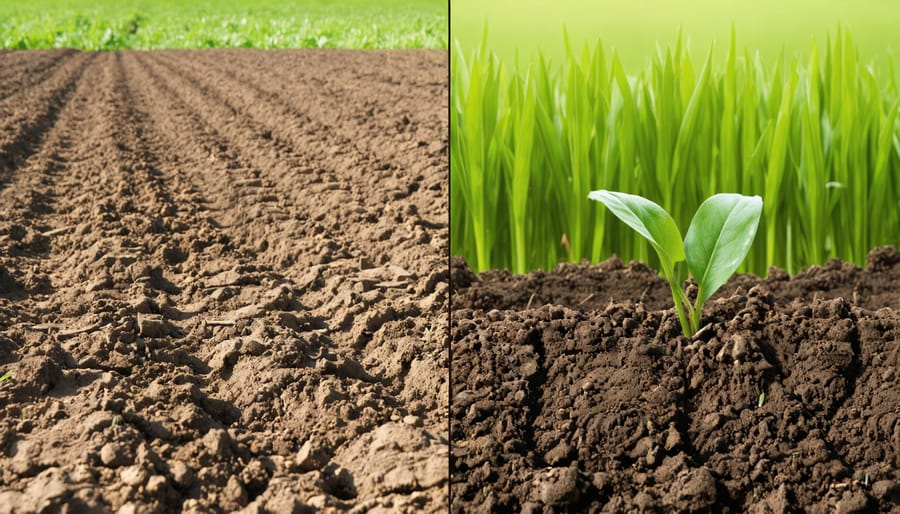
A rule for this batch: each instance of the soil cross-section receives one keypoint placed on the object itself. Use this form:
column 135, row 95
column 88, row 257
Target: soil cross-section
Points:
column 575, row 391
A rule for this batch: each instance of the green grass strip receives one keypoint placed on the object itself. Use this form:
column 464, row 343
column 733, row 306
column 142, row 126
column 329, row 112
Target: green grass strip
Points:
column 108, row 25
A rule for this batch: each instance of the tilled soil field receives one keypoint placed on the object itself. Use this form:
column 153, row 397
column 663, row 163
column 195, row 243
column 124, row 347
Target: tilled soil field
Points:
column 223, row 282
column 574, row 391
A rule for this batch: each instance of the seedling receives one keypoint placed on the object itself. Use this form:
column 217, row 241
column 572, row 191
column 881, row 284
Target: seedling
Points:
column 715, row 245
column 6, row 376
column 762, row 399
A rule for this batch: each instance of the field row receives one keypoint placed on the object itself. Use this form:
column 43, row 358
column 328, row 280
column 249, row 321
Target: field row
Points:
column 177, row 225
column 266, row 24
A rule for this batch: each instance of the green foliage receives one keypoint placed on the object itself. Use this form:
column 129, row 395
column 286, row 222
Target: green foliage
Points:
column 108, row 25
column 650, row 221
column 818, row 139
column 715, row 245
column 6, row 376
column 719, row 238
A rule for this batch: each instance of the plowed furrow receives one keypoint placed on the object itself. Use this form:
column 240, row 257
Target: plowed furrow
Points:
column 32, row 189
column 359, row 124
column 220, row 97
column 365, row 129
column 404, row 81
column 30, row 73
column 290, row 133
column 157, row 132
column 140, row 177
column 236, row 142
column 398, row 86
column 12, row 63
column 168, row 116
column 22, row 131
column 270, row 131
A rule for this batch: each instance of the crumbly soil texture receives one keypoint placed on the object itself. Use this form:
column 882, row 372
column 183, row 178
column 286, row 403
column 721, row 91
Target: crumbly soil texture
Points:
column 574, row 391
column 223, row 281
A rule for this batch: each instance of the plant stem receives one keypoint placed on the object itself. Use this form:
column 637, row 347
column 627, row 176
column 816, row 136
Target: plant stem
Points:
column 680, row 303
column 695, row 318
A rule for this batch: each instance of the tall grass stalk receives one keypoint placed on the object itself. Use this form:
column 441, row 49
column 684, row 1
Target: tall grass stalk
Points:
column 817, row 138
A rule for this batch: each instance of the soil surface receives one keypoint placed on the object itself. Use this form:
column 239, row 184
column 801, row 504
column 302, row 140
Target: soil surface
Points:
column 223, row 282
column 574, row 391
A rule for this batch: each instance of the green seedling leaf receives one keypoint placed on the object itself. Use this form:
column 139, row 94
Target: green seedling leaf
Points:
column 6, row 376
column 719, row 238
column 761, row 400
column 649, row 220
column 716, row 243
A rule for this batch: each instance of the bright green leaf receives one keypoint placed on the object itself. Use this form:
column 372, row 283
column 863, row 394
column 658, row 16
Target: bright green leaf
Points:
column 649, row 220
column 719, row 238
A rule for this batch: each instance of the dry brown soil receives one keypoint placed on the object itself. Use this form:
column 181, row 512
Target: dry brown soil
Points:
column 223, row 283
column 574, row 391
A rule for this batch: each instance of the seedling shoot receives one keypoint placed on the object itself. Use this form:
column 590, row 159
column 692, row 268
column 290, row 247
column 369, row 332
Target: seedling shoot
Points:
column 720, row 235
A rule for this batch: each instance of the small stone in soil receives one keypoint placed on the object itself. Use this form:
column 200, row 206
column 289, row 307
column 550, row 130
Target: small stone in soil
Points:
column 182, row 475
column 559, row 454
column 112, row 455
column 235, row 492
column 415, row 421
column 312, row 456
column 887, row 490
column 673, row 438
column 134, row 475
column 739, row 348
column 558, row 486
column 217, row 442
column 852, row 502
column 698, row 490
column 156, row 485
column 151, row 326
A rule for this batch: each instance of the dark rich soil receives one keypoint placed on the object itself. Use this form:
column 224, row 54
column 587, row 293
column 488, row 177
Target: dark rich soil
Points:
column 223, row 282
column 573, row 391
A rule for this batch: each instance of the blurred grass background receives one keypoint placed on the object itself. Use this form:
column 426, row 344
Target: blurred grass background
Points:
column 634, row 28
column 146, row 24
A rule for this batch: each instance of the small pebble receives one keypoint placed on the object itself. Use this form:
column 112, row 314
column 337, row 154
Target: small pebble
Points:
column 153, row 326
column 559, row 488
column 217, row 442
column 112, row 455
column 182, row 475
column 415, row 421
column 739, row 350
column 235, row 492
column 156, row 485
column 312, row 456
column 134, row 475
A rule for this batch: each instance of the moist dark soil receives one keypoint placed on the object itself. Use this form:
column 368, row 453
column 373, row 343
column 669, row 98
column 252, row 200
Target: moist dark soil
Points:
column 223, row 281
column 574, row 391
